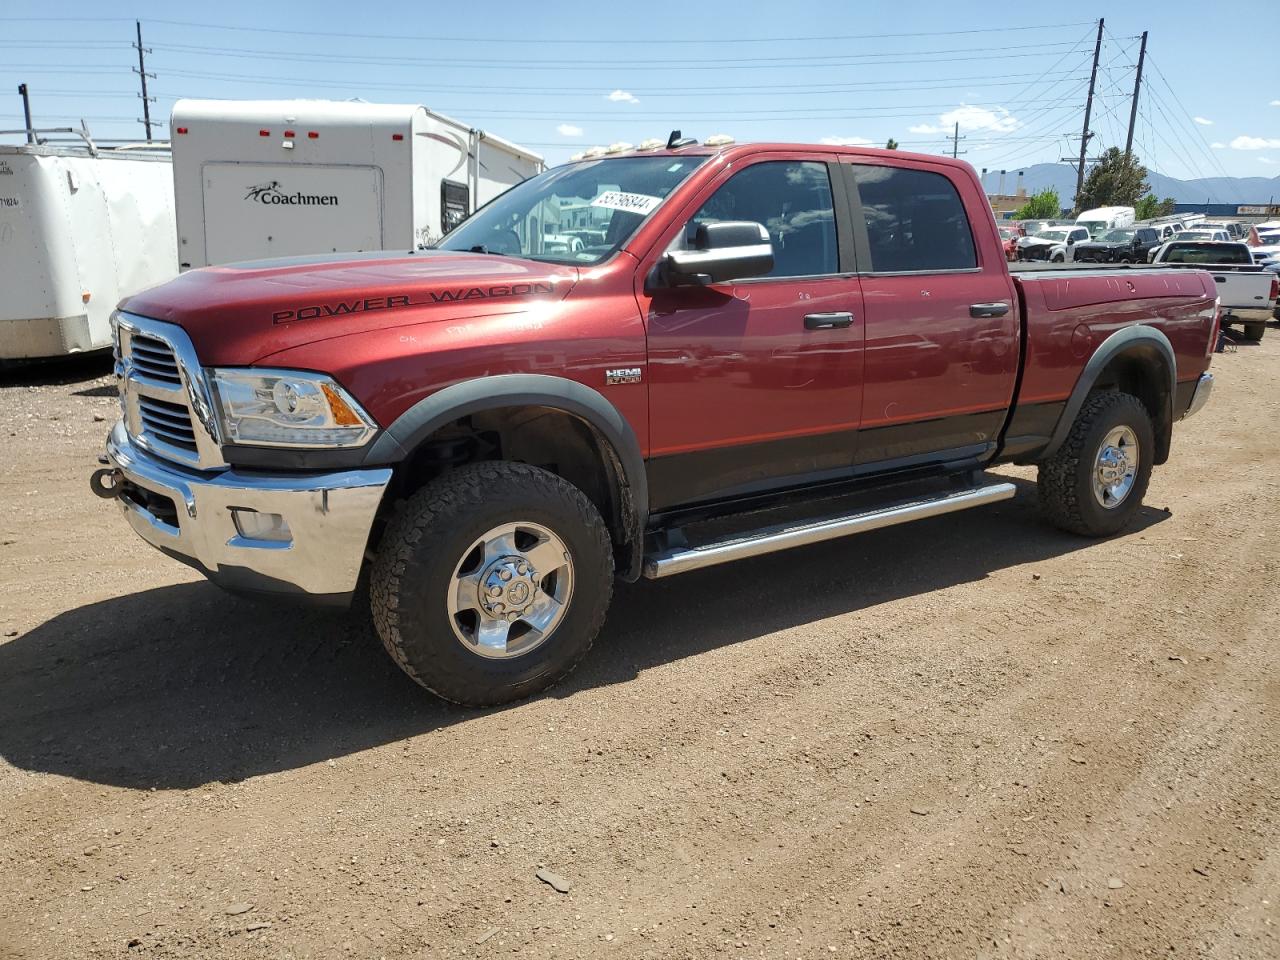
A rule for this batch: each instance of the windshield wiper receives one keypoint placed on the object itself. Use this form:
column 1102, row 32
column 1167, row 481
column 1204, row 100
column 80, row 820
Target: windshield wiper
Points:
column 479, row 248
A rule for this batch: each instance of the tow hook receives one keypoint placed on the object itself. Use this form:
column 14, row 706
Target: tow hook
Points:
column 105, row 483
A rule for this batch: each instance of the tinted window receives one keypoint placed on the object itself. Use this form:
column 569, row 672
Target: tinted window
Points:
column 915, row 220
column 1207, row 253
column 793, row 201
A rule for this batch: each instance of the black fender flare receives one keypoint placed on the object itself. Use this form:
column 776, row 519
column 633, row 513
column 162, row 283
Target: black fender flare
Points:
column 1138, row 337
column 578, row 400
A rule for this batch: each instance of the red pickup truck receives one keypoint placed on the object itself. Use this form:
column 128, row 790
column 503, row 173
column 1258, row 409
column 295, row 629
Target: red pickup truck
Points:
column 748, row 348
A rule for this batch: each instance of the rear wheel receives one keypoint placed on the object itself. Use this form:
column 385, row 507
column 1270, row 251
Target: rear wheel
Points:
column 1254, row 331
column 1095, row 483
column 491, row 582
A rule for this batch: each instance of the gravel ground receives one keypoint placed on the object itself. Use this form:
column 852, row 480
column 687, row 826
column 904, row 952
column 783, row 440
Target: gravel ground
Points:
column 968, row 737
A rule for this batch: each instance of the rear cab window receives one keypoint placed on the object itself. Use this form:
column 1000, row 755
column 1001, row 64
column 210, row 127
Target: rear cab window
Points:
column 1193, row 252
column 915, row 221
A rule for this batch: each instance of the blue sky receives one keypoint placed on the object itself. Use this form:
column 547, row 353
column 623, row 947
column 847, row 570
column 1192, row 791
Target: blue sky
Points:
column 559, row 77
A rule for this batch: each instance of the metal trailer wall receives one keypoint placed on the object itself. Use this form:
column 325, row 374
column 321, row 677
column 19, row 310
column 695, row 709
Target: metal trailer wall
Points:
column 78, row 233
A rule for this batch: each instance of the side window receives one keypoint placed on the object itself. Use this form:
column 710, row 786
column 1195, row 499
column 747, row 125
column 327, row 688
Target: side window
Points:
column 1080, row 235
column 915, row 220
column 792, row 199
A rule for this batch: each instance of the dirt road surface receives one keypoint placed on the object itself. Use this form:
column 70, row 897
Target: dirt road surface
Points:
column 969, row 737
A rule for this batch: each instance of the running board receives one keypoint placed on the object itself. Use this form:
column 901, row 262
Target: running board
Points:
column 784, row 536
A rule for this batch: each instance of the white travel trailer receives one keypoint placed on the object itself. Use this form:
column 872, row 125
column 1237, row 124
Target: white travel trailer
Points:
column 274, row 178
column 81, row 226
column 1102, row 219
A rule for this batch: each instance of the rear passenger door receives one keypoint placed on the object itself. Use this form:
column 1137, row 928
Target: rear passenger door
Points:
column 941, row 337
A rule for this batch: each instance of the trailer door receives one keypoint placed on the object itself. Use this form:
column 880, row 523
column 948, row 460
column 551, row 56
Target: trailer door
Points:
column 259, row 210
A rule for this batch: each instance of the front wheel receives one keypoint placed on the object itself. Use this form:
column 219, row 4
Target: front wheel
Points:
column 1095, row 483
column 1059, row 258
column 491, row 582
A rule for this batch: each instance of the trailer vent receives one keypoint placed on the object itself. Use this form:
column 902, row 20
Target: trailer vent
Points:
column 168, row 422
column 153, row 358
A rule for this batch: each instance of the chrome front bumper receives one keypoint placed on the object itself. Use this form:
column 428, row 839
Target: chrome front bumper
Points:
column 1200, row 396
column 328, row 518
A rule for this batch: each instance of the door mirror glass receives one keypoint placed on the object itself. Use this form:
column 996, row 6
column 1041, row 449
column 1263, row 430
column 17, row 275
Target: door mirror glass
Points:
column 722, row 251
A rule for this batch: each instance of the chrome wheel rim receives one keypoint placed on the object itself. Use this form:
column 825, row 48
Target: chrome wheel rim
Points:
column 1115, row 468
column 510, row 590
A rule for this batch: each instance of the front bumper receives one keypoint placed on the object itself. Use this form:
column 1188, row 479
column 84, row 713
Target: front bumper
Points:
column 1200, row 396
column 191, row 515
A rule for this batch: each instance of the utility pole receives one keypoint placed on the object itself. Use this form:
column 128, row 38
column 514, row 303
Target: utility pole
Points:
column 1085, row 135
column 955, row 142
column 26, row 111
column 1137, row 85
column 141, row 71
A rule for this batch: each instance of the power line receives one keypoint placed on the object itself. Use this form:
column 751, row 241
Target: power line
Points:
column 256, row 29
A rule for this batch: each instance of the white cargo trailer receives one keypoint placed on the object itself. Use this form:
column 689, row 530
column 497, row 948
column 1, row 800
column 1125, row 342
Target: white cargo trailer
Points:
column 273, row 178
column 81, row 227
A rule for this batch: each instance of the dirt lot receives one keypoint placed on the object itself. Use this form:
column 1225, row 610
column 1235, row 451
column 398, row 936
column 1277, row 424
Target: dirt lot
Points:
column 969, row 737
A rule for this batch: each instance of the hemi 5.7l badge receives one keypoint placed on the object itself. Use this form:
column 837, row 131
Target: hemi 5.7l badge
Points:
column 622, row 375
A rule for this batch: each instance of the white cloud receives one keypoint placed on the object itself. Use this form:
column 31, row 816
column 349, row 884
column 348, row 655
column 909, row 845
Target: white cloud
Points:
column 1218, row 145
column 622, row 96
column 970, row 117
column 1268, row 160
column 569, row 130
column 1255, row 143
column 1275, row 103
column 846, row 141
column 1203, row 122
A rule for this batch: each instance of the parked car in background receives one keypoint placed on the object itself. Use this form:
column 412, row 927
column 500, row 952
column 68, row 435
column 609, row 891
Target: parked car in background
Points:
column 1197, row 235
column 1009, row 236
column 1119, row 246
column 488, row 438
column 1247, row 292
column 1101, row 219
column 1032, row 227
column 1054, row 244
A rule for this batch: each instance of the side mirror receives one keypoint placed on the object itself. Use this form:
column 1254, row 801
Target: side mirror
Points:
column 732, row 250
column 1071, row 241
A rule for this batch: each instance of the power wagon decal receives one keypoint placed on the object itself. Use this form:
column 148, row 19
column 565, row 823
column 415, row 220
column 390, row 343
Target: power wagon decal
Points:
column 370, row 304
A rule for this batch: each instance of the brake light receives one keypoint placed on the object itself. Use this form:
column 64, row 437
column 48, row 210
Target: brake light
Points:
column 182, row 129
column 397, row 136
column 1275, row 288
column 312, row 135
column 264, row 133
column 289, row 134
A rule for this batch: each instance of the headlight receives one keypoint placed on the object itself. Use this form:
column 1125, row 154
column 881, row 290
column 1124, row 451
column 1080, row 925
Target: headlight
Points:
column 288, row 408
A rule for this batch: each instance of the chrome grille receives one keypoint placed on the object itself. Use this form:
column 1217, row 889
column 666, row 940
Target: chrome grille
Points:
column 163, row 393
column 170, row 422
column 154, row 358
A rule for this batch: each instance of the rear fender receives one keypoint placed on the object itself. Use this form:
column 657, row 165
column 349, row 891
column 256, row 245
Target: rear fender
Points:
column 1151, row 350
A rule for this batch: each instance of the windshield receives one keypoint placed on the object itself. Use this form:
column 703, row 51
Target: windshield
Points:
column 1197, row 235
column 1178, row 252
column 579, row 213
column 1117, row 236
column 1054, row 235
column 1093, row 226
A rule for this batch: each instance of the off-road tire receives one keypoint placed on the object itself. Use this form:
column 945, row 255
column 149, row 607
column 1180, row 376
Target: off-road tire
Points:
column 426, row 539
column 1066, row 479
column 1254, row 331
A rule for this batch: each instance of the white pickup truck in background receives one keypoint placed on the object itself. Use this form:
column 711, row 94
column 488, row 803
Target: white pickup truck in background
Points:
column 1246, row 291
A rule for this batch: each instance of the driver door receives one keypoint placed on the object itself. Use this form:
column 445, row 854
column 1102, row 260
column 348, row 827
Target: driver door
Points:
column 756, row 384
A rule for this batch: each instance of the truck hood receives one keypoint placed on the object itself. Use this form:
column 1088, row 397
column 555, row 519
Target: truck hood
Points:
column 238, row 313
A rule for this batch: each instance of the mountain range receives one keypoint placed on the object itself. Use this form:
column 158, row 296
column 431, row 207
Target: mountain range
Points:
column 1208, row 190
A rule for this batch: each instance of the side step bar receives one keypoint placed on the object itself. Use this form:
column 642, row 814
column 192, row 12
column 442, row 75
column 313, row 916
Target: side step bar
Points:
column 785, row 536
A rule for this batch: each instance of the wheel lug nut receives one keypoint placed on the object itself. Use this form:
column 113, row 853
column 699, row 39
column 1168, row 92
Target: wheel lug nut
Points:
column 499, row 607
column 495, row 591
column 505, row 574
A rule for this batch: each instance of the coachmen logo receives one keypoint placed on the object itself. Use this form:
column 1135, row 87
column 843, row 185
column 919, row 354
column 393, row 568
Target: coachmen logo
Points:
column 270, row 193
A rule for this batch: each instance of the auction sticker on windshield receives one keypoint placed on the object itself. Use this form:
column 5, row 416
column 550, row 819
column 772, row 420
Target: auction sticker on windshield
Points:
column 631, row 202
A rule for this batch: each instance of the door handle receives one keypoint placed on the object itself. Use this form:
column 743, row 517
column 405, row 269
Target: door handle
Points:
column 1220, row 279
column 988, row 309
column 827, row 321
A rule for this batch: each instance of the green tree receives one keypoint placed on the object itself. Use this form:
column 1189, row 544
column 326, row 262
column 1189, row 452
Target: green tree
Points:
column 892, row 144
column 1114, row 181
column 1148, row 207
column 1044, row 205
